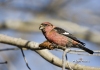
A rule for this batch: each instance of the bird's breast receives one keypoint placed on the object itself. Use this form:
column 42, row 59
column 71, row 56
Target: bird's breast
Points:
column 57, row 39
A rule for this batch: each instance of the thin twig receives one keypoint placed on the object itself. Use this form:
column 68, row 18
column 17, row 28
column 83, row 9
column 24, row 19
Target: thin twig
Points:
column 96, row 52
column 7, row 49
column 77, row 53
column 25, row 59
column 63, row 59
column 65, row 52
column 81, row 52
column 4, row 62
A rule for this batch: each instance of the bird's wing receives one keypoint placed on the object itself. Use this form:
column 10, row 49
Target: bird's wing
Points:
column 66, row 33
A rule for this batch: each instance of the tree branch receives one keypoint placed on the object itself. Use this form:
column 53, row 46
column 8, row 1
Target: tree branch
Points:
column 77, row 52
column 63, row 59
column 18, row 42
column 4, row 62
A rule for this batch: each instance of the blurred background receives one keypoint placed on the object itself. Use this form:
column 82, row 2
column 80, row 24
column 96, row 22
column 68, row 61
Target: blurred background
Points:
column 21, row 19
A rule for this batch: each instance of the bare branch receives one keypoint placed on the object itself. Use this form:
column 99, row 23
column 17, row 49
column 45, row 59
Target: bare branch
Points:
column 3, row 62
column 25, row 59
column 43, row 53
column 78, row 52
column 19, row 42
column 96, row 52
column 63, row 59
column 7, row 49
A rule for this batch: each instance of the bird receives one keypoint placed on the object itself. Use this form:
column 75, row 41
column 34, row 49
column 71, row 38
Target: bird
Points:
column 59, row 36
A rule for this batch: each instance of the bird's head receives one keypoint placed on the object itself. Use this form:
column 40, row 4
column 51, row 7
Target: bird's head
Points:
column 46, row 26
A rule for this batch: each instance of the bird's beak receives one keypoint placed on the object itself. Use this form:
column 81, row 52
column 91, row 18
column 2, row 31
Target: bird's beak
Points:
column 41, row 27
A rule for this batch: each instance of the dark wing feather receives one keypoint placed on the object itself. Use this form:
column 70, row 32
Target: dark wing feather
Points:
column 66, row 33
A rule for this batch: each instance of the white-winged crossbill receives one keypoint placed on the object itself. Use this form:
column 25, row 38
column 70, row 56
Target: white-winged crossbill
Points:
column 59, row 36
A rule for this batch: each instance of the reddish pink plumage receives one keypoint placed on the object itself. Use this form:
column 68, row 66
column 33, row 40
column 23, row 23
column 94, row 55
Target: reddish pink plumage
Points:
column 56, row 38
column 52, row 35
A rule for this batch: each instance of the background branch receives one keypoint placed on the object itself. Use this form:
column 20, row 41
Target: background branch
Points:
column 30, row 26
column 3, row 62
column 78, row 52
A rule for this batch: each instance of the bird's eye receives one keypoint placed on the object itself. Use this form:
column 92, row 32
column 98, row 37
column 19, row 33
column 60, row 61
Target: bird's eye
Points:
column 45, row 24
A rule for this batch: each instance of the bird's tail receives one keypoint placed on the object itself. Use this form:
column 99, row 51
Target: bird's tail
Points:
column 85, row 49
